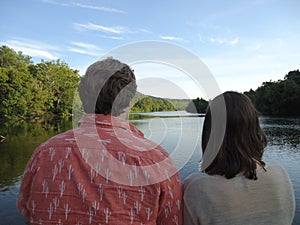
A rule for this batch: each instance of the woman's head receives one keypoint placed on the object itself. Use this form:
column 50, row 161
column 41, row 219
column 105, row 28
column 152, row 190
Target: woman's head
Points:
column 243, row 142
column 107, row 87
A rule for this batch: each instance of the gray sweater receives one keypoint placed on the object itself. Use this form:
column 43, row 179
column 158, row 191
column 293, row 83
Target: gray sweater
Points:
column 216, row 200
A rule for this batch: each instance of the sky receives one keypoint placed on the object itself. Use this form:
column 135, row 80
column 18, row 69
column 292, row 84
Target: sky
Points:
column 242, row 43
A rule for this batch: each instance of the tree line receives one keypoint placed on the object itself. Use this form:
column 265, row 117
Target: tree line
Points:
column 143, row 103
column 49, row 87
column 147, row 103
column 281, row 97
column 197, row 106
column 29, row 90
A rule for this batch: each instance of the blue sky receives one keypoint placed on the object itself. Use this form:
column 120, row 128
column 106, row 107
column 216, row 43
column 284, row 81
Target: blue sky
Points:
column 243, row 43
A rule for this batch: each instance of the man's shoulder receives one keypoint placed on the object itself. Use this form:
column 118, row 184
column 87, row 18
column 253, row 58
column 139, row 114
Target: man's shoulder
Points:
column 66, row 138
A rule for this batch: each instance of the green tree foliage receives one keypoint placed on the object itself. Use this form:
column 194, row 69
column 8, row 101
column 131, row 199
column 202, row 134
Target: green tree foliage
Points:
column 28, row 90
column 197, row 106
column 58, row 82
column 17, row 86
column 280, row 97
column 151, row 104
column 178, row 104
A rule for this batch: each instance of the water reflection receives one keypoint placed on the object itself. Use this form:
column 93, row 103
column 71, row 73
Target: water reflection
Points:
column 21, row 138
column 172, row 114
column 283, row 136
column 282, row 132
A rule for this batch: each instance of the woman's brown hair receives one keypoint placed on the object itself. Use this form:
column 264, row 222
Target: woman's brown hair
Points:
column 244, row 141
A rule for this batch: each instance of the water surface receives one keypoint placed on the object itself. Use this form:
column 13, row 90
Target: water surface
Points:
column 178, row 132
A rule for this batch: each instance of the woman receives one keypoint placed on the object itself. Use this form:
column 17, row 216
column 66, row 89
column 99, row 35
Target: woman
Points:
column 236, row 186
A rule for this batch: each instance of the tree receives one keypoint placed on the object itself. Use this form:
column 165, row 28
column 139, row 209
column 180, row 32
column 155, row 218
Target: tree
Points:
column 17, row 86
column 27, row 89
column 280, row 97
column 197, row 106
column 293, row 75
column 58, row 83
column 151, row 104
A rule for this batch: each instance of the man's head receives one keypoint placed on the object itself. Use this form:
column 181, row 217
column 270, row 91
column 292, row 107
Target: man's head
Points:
column 107, row 87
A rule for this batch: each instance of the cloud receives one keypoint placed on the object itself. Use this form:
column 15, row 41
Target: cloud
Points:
column 216, row 40
column 33, row 49
column 119, row 38
column 200, row 38
column 145, row 31
column 171, row 38
column 99, row 8
column 84, row 6
column 233, row 41
column 225, row 41
column 254, row 47
column 84, row 45
column 55, row 2
column 210, row 27
column 84, row 48
column 105, row 29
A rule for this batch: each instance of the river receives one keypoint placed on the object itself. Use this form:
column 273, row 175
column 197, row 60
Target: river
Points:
column 178, row 132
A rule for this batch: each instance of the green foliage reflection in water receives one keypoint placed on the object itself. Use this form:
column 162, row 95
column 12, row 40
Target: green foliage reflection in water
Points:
column 22, row 137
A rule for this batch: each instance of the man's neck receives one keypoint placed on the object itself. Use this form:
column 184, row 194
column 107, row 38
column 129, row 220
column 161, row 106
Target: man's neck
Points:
column 124, row 115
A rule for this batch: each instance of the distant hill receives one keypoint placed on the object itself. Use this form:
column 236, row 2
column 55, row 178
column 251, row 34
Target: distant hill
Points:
column 147, row 103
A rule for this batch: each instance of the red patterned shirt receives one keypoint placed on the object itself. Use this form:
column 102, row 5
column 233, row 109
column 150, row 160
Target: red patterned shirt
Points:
column 102, row 172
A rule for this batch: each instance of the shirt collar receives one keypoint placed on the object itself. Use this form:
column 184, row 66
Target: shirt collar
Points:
column 107, row 120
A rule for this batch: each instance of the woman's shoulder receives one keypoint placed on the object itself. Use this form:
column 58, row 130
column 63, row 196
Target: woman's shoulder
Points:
column 274, row 167
column 274, row 172
column 201, row 179
column 198, row 179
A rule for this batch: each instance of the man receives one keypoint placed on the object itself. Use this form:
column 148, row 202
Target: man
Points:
column 104, row 171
